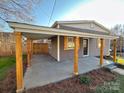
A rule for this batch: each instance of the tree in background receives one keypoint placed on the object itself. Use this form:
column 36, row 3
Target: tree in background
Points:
column 119, row 30
column 17, row 9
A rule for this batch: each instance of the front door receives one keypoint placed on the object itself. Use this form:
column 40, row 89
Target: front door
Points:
column 85, row 47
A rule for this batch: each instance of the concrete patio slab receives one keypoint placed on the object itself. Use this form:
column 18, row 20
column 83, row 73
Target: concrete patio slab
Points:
column 46, row 69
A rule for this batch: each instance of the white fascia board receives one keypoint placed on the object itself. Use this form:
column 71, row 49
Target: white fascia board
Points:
column 25, row 28
column 64, row 33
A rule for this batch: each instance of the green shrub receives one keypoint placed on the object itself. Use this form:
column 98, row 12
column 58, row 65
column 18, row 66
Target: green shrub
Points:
column 85, row 80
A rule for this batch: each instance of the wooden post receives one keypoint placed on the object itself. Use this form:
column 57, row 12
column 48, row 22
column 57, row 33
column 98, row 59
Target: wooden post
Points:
column 76, row 47
column 28, row 52
column 101, row 52
column 114, row 50
column 19, row 64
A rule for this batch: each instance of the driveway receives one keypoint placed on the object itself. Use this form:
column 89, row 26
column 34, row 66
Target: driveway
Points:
column 45, row 69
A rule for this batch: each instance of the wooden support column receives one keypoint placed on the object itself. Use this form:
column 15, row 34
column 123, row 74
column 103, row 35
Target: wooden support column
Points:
column 76, row 44
column 101, row 52
column 114, row 50
column 28, row 52
column 19, row 64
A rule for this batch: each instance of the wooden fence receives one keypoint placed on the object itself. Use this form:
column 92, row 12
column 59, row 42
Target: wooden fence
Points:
column 7, row 44
column 40, row 48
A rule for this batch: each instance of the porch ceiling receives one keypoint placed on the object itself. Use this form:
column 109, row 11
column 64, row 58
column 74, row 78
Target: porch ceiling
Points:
column 37, row 36
column 38, row 32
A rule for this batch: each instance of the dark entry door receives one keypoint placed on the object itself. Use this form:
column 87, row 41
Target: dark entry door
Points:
column 85, row 47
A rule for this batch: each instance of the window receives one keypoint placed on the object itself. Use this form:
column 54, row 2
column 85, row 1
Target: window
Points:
column 68, row 43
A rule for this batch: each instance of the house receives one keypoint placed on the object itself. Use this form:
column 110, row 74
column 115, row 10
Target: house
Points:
column 68, row 40
column 88, row 46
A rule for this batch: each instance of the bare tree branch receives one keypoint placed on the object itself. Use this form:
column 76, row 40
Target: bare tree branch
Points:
column 20, row 5
column 2, row 19
column 17, row 9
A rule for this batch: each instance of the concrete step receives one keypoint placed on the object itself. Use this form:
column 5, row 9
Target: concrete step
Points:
column 119, row 71
column 111, row 66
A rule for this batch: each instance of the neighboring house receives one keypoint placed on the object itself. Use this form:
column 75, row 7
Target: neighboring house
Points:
column 88, row 46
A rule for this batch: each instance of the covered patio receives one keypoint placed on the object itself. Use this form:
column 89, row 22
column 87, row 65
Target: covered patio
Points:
column 43, row 69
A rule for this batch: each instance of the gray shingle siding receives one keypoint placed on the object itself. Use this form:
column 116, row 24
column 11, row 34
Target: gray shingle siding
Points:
column 69, row 54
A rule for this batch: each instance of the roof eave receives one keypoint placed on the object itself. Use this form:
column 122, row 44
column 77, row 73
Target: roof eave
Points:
column 25, row 28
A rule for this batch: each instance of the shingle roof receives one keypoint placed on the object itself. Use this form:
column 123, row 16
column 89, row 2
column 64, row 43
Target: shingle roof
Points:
column 80, row 22
column 82, row 30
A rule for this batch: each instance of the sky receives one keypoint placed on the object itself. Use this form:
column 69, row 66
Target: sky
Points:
column 106, row 12
column 43, row 11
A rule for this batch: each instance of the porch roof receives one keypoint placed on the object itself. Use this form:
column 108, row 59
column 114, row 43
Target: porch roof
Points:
column 38, row 32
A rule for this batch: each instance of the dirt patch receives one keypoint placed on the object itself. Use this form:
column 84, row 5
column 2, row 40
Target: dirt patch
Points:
column 73, row 85
column 8, row 85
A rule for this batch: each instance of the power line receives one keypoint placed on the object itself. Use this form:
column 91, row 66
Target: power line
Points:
column 2, row 19
column 52, row 11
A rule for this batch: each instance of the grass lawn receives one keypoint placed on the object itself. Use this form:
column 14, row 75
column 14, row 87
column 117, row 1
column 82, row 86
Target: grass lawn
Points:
column 121, row 79
column 6, row 63
column 116, row 86
column 120, row 60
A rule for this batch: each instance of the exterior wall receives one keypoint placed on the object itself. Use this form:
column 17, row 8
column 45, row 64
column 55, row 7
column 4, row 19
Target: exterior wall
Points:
column 94, row 50
column 53, row 47
column 69, row 54
column 86, row 26
column 64, row 54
